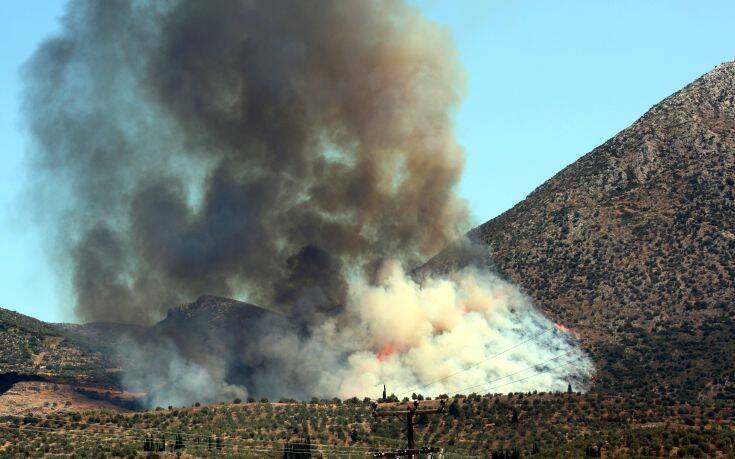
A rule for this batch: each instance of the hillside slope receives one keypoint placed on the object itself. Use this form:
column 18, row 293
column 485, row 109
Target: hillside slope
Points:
column 32, row 347
column 634, row 245
column 98, row 354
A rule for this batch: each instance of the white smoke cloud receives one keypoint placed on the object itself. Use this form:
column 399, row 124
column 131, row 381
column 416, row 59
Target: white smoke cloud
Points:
column 450, row 329
column 468, row 331
column 170, row 379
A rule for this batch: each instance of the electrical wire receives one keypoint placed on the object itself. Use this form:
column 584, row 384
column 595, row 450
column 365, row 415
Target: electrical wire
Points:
column 474, row 365
column 189, row 435
column 322, row 447
column 530, row 367
column 233, row 447
column 335, row 450
column 521, row 371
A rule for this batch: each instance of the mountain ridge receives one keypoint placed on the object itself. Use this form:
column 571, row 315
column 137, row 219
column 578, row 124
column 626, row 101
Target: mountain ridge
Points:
column 631, row 244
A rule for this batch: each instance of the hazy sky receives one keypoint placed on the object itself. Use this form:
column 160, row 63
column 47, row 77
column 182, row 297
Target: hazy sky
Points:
column 548, row 81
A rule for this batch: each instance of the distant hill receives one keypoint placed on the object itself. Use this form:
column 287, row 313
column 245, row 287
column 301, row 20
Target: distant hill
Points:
column 633, row 245
column 201, row 324
column 32, row 347
column 214, row 328
column 89, row 354
column 211, row 314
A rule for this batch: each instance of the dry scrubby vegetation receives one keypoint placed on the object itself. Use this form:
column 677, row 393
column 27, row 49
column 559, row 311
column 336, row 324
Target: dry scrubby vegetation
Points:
column 32, row 347
column 633, row 246
column 88, row 354
column 542, row 425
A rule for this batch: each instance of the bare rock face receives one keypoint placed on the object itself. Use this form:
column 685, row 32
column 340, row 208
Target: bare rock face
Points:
column 634, row 245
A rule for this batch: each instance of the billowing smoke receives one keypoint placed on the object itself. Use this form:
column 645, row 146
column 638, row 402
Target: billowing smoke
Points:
column 168, row 377
column 190, row 147
column 466, row 332
column 277, row 151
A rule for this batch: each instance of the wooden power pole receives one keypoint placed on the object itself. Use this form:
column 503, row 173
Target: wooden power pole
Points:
column 410, row 411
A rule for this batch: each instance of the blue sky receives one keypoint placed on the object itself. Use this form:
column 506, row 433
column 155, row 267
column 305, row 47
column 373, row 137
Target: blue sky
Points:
column 548, row 81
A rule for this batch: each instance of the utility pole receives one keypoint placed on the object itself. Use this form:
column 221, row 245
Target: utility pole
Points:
column 410, row 411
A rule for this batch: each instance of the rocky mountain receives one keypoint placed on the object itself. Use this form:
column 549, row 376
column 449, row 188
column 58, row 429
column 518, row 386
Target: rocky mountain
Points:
column 211, row 313
column 211, row 328
column 633, row 245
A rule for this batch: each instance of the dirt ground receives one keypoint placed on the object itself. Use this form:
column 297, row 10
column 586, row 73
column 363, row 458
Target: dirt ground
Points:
column 45, row 398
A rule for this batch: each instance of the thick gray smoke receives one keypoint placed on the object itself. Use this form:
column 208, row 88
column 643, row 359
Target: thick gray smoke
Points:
column 295, row 154
column 184, row 147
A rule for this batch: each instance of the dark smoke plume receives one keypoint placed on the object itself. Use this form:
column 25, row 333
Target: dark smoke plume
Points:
column 297, row 154
column 262, row 149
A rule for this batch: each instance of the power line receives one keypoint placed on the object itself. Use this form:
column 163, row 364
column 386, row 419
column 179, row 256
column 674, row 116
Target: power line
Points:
column 336, row 450
column 533, row 338
column 325, row 447
column 230, row 446
column 144, row 431
column 330, row 448
column 409, row 413
column 522, row 379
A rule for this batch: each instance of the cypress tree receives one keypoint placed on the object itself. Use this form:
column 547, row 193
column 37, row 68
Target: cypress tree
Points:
column 148, row 443
column 179, row 442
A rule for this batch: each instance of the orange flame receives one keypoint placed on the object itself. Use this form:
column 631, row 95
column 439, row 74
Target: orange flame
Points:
column 386, row 351
column 566, row 330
